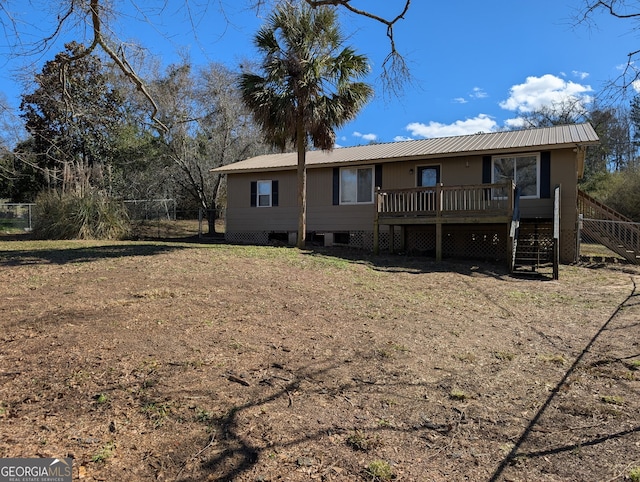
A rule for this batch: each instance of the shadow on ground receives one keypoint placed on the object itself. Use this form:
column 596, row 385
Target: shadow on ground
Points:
column 83, row 254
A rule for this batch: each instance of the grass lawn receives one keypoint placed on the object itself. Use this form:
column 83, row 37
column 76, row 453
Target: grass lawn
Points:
column 182, row 361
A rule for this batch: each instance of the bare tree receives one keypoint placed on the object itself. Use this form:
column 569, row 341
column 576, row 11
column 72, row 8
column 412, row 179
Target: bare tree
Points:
column 625, row 10
column 92, row 20
column 207, row 126
column 571, row 110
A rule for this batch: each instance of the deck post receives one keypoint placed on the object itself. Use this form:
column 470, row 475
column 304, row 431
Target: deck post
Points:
column 392, row 231
column 376, row 224
column 438, row 241
column 438, row 222
column 376, row 236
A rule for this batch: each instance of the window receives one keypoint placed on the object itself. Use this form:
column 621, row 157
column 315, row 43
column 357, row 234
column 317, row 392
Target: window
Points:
column 523, row 169
column 356, row 185
column 264, row 194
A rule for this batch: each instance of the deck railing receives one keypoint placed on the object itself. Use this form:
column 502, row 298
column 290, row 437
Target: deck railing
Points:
column 440, row 200
column 606, row 226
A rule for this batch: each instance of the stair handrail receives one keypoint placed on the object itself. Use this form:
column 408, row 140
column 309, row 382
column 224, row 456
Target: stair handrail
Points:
column 515, row 226
column 621, row 228
column 556, row 232
column 601, row 207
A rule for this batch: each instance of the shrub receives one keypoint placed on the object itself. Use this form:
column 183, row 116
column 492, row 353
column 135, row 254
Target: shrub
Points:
column 94, row 215
column 379, row 470
column 624, row 193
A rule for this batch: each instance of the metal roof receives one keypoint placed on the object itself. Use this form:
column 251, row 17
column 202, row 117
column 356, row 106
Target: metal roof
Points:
column 557, row 137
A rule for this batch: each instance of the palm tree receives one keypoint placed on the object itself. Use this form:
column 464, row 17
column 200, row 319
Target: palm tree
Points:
column 307, row 86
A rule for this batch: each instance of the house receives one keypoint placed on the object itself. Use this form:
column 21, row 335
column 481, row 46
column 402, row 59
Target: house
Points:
column 485, row 195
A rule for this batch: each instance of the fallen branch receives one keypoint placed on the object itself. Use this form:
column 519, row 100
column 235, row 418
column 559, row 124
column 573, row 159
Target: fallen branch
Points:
column 233, row 378
column 212, row 439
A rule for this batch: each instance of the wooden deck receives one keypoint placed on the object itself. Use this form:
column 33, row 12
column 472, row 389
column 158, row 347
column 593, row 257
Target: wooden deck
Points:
column 440, row 204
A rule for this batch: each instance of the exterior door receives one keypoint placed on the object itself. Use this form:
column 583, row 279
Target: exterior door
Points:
column 428, row 176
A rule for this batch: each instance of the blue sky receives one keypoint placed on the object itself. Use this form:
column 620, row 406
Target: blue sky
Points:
column 476, row 66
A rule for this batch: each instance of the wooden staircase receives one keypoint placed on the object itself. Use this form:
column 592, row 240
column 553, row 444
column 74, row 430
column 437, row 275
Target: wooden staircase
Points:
column 535, row 242
column 535, row 245
column 606, row 226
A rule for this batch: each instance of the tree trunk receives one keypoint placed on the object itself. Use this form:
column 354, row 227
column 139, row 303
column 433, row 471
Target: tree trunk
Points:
column 302, row 186
column 211, row 219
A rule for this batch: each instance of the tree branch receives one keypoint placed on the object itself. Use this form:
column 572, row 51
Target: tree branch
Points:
column 609, row 6
column 622, row 10
column 395, row 72
column 121, row 62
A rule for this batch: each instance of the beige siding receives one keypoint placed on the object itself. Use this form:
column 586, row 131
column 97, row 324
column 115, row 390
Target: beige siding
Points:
column 453, row 171
column 323, row 216
column 564, row 167
column 242, row 218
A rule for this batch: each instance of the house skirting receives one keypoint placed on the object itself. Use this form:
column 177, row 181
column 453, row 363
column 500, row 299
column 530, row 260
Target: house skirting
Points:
column 352, row 239
column 488, row 242
column 459, row 241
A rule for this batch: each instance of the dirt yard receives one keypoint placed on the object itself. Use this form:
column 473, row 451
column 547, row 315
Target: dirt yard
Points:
column 150, row 361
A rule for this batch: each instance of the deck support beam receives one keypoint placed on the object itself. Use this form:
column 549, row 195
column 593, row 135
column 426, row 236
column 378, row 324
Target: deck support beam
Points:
column 438, row 242
column 376, row 236
column 392, row 231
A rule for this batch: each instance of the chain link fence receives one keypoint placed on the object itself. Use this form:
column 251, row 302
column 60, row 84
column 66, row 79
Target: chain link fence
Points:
column 151, row 209
column 16, row 217
column 163, row 218
column 150, row 218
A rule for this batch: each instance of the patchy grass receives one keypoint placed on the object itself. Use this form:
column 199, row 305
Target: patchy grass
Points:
column 359, row 440
column 175, row 360
column 612, row 399
column 104, row 454
column 380, row 470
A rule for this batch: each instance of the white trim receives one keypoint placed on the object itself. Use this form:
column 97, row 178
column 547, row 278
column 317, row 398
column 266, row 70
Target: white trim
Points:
column 258, row 205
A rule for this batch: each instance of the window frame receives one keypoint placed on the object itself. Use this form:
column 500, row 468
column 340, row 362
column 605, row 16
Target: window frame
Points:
column 515, row 170
column 372, row 190
column 270, row 184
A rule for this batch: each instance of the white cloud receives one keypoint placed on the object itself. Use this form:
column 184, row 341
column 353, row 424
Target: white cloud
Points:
column 402, row 138
column 636, row 85
column 545, row 91
column 480, row 123
column 515, row 123
column 366, row 137
column 476, row 93
column 479, row 93
column 580, row 75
